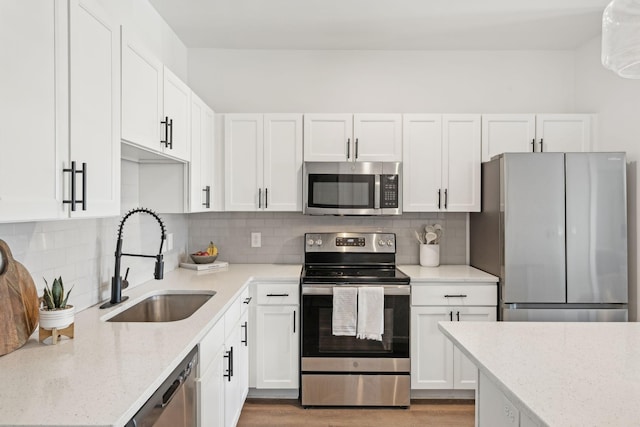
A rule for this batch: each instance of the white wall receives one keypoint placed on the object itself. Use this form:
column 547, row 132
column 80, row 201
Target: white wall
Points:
column 617, row 102
column 232, row 81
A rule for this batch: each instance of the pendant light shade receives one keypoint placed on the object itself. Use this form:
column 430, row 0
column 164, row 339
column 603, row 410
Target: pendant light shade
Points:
column 621, row 38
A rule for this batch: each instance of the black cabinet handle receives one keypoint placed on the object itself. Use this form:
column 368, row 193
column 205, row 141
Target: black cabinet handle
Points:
column 356, row 148
column 207, row 197
column 245, row 340
column 439, row 197
column 171, row 134
column 266, row 198
column 348, row 148
column 74, row 201
column 455, row 296
column 446, row 198
column 533, row 145
column 247, row 300
column 165, row 122
column 277, row 295
column 541, row 146
column 294, row 321
column 458, row 315
column 451, row 316
column 259, row 198
column 229, row 371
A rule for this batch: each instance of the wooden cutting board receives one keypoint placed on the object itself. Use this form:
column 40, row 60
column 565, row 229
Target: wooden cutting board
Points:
column 18, row 303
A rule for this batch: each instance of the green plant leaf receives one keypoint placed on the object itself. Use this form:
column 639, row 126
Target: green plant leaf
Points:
column 47, row 298
column 57, row 290
column 64, row 303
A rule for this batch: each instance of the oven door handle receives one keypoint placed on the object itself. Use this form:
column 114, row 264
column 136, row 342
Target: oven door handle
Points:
column 328, row 289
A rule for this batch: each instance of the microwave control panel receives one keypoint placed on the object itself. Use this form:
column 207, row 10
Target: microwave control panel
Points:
column 389, row 189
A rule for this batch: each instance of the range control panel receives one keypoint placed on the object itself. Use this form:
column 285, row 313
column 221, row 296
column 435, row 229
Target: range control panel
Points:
column 350, row 242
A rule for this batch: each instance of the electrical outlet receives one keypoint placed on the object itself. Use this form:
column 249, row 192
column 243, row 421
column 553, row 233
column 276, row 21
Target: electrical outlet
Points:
column 169, row 245
column 256, row 240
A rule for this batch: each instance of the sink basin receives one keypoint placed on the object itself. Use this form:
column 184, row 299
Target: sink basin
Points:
column 164, row 307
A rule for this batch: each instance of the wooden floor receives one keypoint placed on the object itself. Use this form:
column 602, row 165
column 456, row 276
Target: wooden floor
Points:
column 428, row 413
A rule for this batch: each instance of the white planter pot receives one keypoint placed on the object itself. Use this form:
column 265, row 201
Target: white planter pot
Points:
column 58, row 319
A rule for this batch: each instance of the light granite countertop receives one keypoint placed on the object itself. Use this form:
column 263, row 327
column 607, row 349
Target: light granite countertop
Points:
column 559, row 374
column 446, row 273
column 107, row 372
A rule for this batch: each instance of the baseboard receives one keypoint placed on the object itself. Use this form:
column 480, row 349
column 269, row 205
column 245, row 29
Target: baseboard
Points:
column 273, row 393
column 443, row 394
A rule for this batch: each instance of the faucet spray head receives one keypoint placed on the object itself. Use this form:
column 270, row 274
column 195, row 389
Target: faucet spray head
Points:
column 158, row 272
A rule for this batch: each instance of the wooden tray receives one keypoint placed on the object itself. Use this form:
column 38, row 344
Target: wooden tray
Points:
column 18, row 303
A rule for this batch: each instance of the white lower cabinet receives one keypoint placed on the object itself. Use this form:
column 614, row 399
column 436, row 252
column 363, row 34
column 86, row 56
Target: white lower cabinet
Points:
column 223, row 380
column 435, row 362
column 274, row 358
column 494, row 409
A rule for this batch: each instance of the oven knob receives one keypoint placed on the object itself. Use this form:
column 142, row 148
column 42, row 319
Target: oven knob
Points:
column 389, row 242
column 381, row 242
column 319, row 242
column 310, row 242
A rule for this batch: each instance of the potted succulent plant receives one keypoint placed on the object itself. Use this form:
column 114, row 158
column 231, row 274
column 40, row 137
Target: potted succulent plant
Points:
column 55, row 312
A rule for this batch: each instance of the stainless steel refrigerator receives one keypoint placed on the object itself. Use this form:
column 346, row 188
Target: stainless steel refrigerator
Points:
column 553, row 228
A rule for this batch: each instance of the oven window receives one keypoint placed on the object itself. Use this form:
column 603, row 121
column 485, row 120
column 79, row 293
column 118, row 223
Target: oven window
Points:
column 341, row 191
column 318, row 340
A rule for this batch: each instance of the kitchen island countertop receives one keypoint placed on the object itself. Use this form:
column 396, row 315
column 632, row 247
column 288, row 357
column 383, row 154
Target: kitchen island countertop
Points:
column 559, row 374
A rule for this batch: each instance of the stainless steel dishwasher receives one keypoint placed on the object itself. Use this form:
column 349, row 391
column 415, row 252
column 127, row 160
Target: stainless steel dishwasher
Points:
column 174, row 403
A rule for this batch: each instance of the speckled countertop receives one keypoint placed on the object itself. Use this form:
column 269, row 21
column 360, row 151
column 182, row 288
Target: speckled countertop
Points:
column 105, row 374
column 446, row 273
column 560, row 374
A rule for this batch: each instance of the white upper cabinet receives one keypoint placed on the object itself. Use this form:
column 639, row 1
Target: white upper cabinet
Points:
column 95, row 108
column 202, row 156
column 176, row 117
column 155, row 102
column 263, row 162
column 522, row 133
column 349, row 137
column 61, row 107
column 441, row 163
column 142, row 86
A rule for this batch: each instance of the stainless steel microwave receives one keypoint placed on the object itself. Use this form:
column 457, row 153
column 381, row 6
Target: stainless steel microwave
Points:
column 352, row 188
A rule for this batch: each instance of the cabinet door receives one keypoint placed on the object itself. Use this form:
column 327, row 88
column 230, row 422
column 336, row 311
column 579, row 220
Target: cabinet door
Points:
column 277, row 346
column 461, row 162
column 201, row 165
column 328, row 137
column 507, row 133
column 232, row 384
column 33, row 136
column 95, row 107
column 177, row 103
column 377, row 137
column 211, row 394
column 422, row 162
column 431, row 351
column 243, row 145
column 282, row 162
column 242, row 368
column 142, row 85
column 563, row 132
column 465, row 373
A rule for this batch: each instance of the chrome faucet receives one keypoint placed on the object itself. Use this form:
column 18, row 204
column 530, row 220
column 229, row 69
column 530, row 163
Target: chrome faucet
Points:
column 117, row 282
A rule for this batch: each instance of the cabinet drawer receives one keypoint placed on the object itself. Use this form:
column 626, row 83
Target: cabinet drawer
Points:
column 447, row 294
column 210, row 346
column 278, row 294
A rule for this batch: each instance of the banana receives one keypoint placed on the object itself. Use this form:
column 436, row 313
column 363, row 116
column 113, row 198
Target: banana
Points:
column 212, row 250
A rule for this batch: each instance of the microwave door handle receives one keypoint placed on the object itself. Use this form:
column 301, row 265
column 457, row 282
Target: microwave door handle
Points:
column 376, row 197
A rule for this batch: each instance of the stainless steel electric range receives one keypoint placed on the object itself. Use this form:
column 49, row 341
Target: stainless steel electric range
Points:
column 339, row 370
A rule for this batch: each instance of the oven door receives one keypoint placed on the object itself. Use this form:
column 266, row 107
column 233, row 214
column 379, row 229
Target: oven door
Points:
column 323, row 351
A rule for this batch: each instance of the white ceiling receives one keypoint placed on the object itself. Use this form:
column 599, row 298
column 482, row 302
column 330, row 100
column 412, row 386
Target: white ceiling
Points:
column 384, row 24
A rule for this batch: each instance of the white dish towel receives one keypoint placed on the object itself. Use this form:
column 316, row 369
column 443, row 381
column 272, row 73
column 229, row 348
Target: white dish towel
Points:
column 345, row 308
column 370, row 313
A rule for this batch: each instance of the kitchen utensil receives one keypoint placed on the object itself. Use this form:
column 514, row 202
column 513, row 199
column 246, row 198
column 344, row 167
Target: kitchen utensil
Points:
column 429, row 229
column 18, row 303
column 430, row 237
column 419, row 237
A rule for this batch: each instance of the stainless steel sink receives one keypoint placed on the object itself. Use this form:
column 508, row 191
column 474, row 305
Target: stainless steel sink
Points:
column 164, row 307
